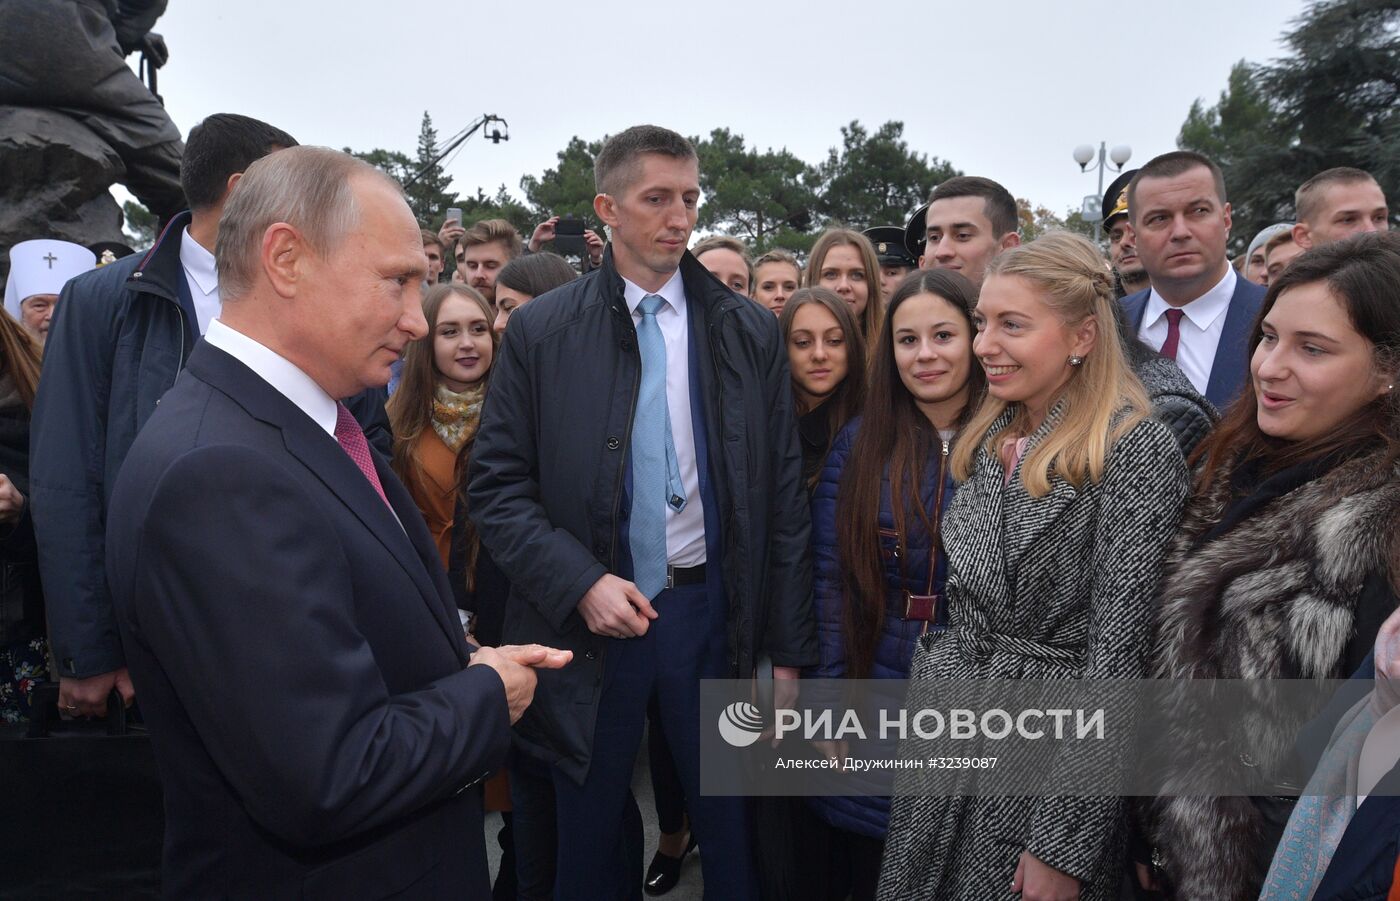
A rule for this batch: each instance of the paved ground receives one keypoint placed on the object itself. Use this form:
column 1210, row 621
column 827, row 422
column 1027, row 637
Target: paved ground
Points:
column 690, row 888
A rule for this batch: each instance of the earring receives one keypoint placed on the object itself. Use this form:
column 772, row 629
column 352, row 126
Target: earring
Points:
column 1075, row 361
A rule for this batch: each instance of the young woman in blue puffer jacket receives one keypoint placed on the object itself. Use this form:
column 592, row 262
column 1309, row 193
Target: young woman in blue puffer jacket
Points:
column 878, row 563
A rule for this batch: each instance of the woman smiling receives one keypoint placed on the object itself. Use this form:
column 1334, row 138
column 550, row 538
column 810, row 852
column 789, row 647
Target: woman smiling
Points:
column 437, row 407
column 878, row 563
column 1069, row 494
column 1288, row 557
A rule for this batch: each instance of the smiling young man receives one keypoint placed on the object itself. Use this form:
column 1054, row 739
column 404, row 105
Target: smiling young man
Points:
column 637, row 476
column 1197, row 311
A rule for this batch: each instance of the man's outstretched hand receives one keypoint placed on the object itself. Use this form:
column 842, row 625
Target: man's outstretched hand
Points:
column 516, row 665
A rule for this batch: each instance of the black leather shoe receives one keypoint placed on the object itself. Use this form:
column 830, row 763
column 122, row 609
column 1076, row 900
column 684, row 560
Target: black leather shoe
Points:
column 665, row 870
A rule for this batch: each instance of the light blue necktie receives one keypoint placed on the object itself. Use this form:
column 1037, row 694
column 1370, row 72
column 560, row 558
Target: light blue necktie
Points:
column 656, row 480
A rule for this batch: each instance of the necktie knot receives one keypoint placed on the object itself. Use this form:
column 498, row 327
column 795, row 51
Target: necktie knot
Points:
column 651, row 304
column 1174, row 316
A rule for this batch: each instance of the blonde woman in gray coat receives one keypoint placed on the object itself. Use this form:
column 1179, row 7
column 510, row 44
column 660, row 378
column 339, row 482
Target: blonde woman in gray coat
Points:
column 1055, row 541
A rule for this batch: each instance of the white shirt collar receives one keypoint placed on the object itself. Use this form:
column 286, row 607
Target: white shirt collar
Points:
column 673, row 292
column 199, row 263
column 1204, row 310
column 279, row 372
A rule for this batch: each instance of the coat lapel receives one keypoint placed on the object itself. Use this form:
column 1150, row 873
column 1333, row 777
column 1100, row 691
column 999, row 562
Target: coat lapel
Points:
column 1027, row 519
column 1134, row 305
column 972, row 535
column 1231, row 364
column 324, row 457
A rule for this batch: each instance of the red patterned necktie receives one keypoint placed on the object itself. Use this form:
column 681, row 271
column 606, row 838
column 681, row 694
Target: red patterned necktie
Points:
column 352, row 441
column 1169, row 346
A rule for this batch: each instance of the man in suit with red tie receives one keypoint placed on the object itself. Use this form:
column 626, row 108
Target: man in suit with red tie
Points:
column 1197, row 310
column 318, row 718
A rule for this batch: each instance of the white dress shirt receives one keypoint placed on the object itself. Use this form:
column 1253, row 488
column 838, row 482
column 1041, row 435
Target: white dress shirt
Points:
column 685, row 531
column 1201, row 327
column 203, row 279
column 282, row 374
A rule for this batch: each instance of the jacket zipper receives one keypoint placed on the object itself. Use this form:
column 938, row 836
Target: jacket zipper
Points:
column 937, row 541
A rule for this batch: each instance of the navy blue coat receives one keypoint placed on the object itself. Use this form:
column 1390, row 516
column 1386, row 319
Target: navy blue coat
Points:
column 911, row 565
column 1231, row 366
column 120, row 335
column 298, row 657
column 548, row 472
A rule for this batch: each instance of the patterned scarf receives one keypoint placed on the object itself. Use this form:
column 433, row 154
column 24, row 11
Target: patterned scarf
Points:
column 456, row 416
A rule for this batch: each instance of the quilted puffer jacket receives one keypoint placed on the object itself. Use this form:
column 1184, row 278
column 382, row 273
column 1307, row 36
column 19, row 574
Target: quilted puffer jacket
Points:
column 1175, row 401
column 914, row 563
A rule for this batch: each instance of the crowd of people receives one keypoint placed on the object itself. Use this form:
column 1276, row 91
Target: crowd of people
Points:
column 376, row 542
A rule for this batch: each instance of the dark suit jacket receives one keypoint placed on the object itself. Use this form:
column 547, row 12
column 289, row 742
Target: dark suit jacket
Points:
column 1231, row 366
column 298, row 657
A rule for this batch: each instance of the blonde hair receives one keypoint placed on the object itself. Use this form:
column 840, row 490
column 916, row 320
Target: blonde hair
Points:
column 1102, row 400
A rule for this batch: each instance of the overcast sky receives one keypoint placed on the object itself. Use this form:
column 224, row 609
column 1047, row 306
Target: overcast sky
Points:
column 1005, row 90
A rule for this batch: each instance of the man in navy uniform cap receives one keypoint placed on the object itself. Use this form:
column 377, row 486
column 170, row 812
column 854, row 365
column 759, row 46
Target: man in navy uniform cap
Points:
column 1122, row 243
column 895, row 259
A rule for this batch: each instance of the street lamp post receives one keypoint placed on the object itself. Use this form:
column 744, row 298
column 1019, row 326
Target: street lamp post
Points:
column 1084, row 155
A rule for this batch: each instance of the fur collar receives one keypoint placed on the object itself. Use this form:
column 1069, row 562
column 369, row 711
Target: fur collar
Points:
column 1275, row 596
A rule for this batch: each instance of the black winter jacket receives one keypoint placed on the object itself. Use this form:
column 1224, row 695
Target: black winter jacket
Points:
column 118, row 340
column 547, row 476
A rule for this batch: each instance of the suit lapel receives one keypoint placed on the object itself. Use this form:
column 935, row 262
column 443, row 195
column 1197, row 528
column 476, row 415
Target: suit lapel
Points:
column 323, row 456
column 1135, row 305
column 1231, row 364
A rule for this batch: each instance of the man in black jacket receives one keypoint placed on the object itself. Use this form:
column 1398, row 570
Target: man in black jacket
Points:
column 637, row 477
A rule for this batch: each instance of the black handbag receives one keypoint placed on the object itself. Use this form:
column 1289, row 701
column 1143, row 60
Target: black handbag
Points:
column 82, row 805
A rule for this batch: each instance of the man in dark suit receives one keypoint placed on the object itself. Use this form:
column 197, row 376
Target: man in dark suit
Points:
column 1197, row 310
column 637, row 476
column 313, row 710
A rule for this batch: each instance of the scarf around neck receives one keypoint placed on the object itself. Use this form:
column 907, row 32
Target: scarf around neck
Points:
column 457, row 415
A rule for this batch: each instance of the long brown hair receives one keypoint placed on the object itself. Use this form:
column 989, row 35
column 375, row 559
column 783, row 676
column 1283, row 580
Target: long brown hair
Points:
column 410, row 408
column 895, row 437
column 845, row 237
column 845, row 402
column 21, row 358
column 1362, row 273
column 1073, row 280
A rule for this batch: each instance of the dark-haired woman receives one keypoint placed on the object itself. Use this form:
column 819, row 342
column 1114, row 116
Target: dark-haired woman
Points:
column 879, row 566
column 1068, row 495
column 1288, row 557
column 23, row 649
column 826, row 357
column 525, row 278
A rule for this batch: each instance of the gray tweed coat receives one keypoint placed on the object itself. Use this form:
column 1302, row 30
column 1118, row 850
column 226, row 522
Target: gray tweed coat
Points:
column 1058, row 587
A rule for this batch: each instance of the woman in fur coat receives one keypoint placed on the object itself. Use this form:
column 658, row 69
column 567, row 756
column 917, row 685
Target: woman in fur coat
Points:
column 1069, row 496
column 1288, row 557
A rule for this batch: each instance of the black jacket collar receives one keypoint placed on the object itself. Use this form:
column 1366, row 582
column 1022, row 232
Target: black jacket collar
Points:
column 160, row 271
